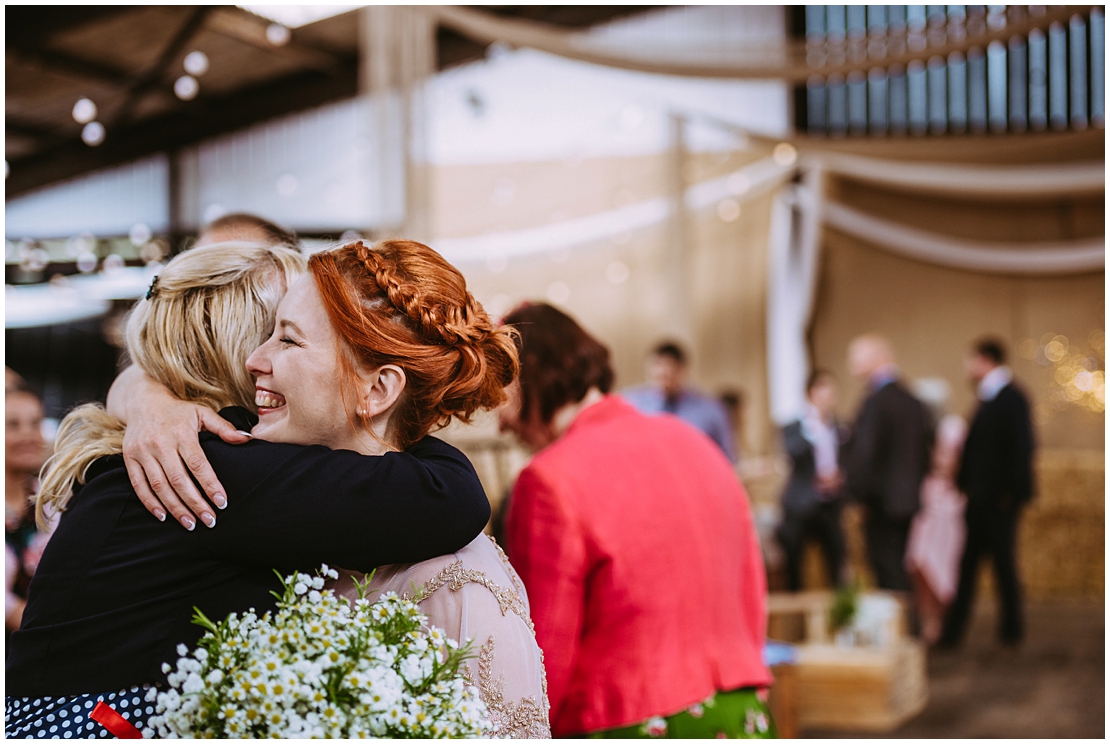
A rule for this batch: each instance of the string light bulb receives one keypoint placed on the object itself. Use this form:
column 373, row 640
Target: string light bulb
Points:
column 277, row 34
column 785, row 154
column 196, row 63
column 186, row 87
column 93, row 133
column 84, row 111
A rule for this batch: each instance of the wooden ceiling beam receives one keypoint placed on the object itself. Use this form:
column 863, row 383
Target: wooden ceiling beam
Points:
column 28, row 26
column 29, row 129
column 70, row 66
column 154, row 74
column 248, row 28
column 186, row 124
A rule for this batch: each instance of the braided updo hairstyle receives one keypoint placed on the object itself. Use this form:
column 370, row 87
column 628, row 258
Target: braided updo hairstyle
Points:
column 401, row 303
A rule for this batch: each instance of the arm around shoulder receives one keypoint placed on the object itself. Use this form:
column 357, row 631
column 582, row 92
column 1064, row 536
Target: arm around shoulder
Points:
column 293, row 505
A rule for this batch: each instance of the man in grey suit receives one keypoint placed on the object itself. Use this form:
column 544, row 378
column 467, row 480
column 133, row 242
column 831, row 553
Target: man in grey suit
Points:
column 888, row 458
column 812, row 500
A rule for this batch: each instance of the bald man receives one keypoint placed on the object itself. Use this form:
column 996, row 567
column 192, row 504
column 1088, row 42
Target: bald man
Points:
column 246, row 227
column 888, row 458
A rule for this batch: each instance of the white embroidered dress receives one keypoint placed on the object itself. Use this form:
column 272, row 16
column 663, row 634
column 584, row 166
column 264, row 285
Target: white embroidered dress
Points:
column 476, row 594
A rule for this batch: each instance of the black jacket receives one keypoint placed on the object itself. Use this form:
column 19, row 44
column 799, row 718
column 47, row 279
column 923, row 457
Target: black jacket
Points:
column 888, row 455
column 115, row 589
column 997, row 464
column 801, row 495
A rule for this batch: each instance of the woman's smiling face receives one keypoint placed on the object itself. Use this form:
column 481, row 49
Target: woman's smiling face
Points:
column 297, row 376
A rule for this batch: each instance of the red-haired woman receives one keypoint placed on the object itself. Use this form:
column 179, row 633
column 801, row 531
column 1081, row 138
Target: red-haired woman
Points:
column 417, row 351
column 636, row 544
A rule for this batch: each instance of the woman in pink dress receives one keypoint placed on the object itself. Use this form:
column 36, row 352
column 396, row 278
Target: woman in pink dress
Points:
column 937, row 535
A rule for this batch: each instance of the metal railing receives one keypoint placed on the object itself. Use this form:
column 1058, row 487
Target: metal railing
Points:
column 1034, row 81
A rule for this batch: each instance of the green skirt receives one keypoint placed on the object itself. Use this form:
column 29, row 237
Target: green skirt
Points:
column 739, row 714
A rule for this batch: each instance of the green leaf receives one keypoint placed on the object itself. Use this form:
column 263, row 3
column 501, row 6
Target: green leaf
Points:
column 202, row 620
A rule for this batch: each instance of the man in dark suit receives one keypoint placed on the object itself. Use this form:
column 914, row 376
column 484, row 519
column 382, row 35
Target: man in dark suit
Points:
column 888, row 458
column 996, row 475
column 812, row 499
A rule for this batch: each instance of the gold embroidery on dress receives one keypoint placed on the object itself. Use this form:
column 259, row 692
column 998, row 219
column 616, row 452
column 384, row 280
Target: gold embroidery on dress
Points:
column 455, row 577
column 508, row 566
column 525, row 719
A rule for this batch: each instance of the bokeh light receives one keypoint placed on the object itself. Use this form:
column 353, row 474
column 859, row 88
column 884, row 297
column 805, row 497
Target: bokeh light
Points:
column 277, row 34
column 93, row 133
column 86, row 262
column 728, row 210
column 113, row 264
column 139, row 234
column 84, row 111
column 196, row 63
column 785, row 154
column 1076, row 375
column 186, row 87
column 558, row 293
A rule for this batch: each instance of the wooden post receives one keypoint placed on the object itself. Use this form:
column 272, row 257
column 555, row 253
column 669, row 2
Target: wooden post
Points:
column 396, row 54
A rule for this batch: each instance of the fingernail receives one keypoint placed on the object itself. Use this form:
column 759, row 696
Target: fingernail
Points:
column 188, row 523
column 244, row 433
column 219, row 500
column 160, row 515
column 208, row 519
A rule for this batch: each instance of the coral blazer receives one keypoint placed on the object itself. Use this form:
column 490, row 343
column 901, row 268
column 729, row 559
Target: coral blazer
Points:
column 636, row 543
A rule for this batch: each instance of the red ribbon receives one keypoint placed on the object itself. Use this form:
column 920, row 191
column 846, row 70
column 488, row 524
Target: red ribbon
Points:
column 116, row 724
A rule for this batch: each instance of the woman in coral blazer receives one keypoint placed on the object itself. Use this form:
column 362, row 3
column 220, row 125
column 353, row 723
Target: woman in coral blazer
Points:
column 636, row 544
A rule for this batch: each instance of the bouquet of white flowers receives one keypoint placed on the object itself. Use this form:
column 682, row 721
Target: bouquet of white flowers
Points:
column 318, row 667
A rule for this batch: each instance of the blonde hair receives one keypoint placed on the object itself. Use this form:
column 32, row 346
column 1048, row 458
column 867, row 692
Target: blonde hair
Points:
column 205, row 313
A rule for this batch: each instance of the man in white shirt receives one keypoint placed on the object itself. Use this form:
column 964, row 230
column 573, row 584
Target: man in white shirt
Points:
column 811, row 501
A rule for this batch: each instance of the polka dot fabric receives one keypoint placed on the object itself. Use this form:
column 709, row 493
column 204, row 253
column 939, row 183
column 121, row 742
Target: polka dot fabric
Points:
column 67, row 717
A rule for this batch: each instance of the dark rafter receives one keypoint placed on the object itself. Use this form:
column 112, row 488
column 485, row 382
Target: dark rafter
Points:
column 187, row 124
column 70, row 66
column 27, row 26
column 154, row 74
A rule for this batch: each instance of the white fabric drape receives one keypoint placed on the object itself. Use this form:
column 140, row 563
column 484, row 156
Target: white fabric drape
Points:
column 756, row 179
column 1072, row 257
column 794, row 246
column 989, row 181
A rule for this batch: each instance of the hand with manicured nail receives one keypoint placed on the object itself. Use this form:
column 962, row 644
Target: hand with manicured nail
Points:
column 162, row 452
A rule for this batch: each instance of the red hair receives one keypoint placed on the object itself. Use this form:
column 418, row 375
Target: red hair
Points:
column 401, row 303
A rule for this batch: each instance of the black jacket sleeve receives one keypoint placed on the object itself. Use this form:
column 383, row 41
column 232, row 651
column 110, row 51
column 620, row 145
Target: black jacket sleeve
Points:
column 862, row 454
column 1018, row 446
column 291, row 505
column 798, row 447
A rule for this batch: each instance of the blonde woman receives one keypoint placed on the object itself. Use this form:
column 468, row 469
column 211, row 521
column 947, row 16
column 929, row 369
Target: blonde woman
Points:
column 115, row 589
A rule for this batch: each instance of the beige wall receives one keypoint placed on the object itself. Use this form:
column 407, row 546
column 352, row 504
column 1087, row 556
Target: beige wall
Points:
column 726, row 265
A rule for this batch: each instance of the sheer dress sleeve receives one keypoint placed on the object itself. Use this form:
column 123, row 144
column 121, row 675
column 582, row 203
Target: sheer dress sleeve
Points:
column 475, row 595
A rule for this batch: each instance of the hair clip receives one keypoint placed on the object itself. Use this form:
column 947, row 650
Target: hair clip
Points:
column 153, row 288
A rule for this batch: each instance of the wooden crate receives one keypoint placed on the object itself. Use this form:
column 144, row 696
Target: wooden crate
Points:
column 848, row 689
column 858, row 689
